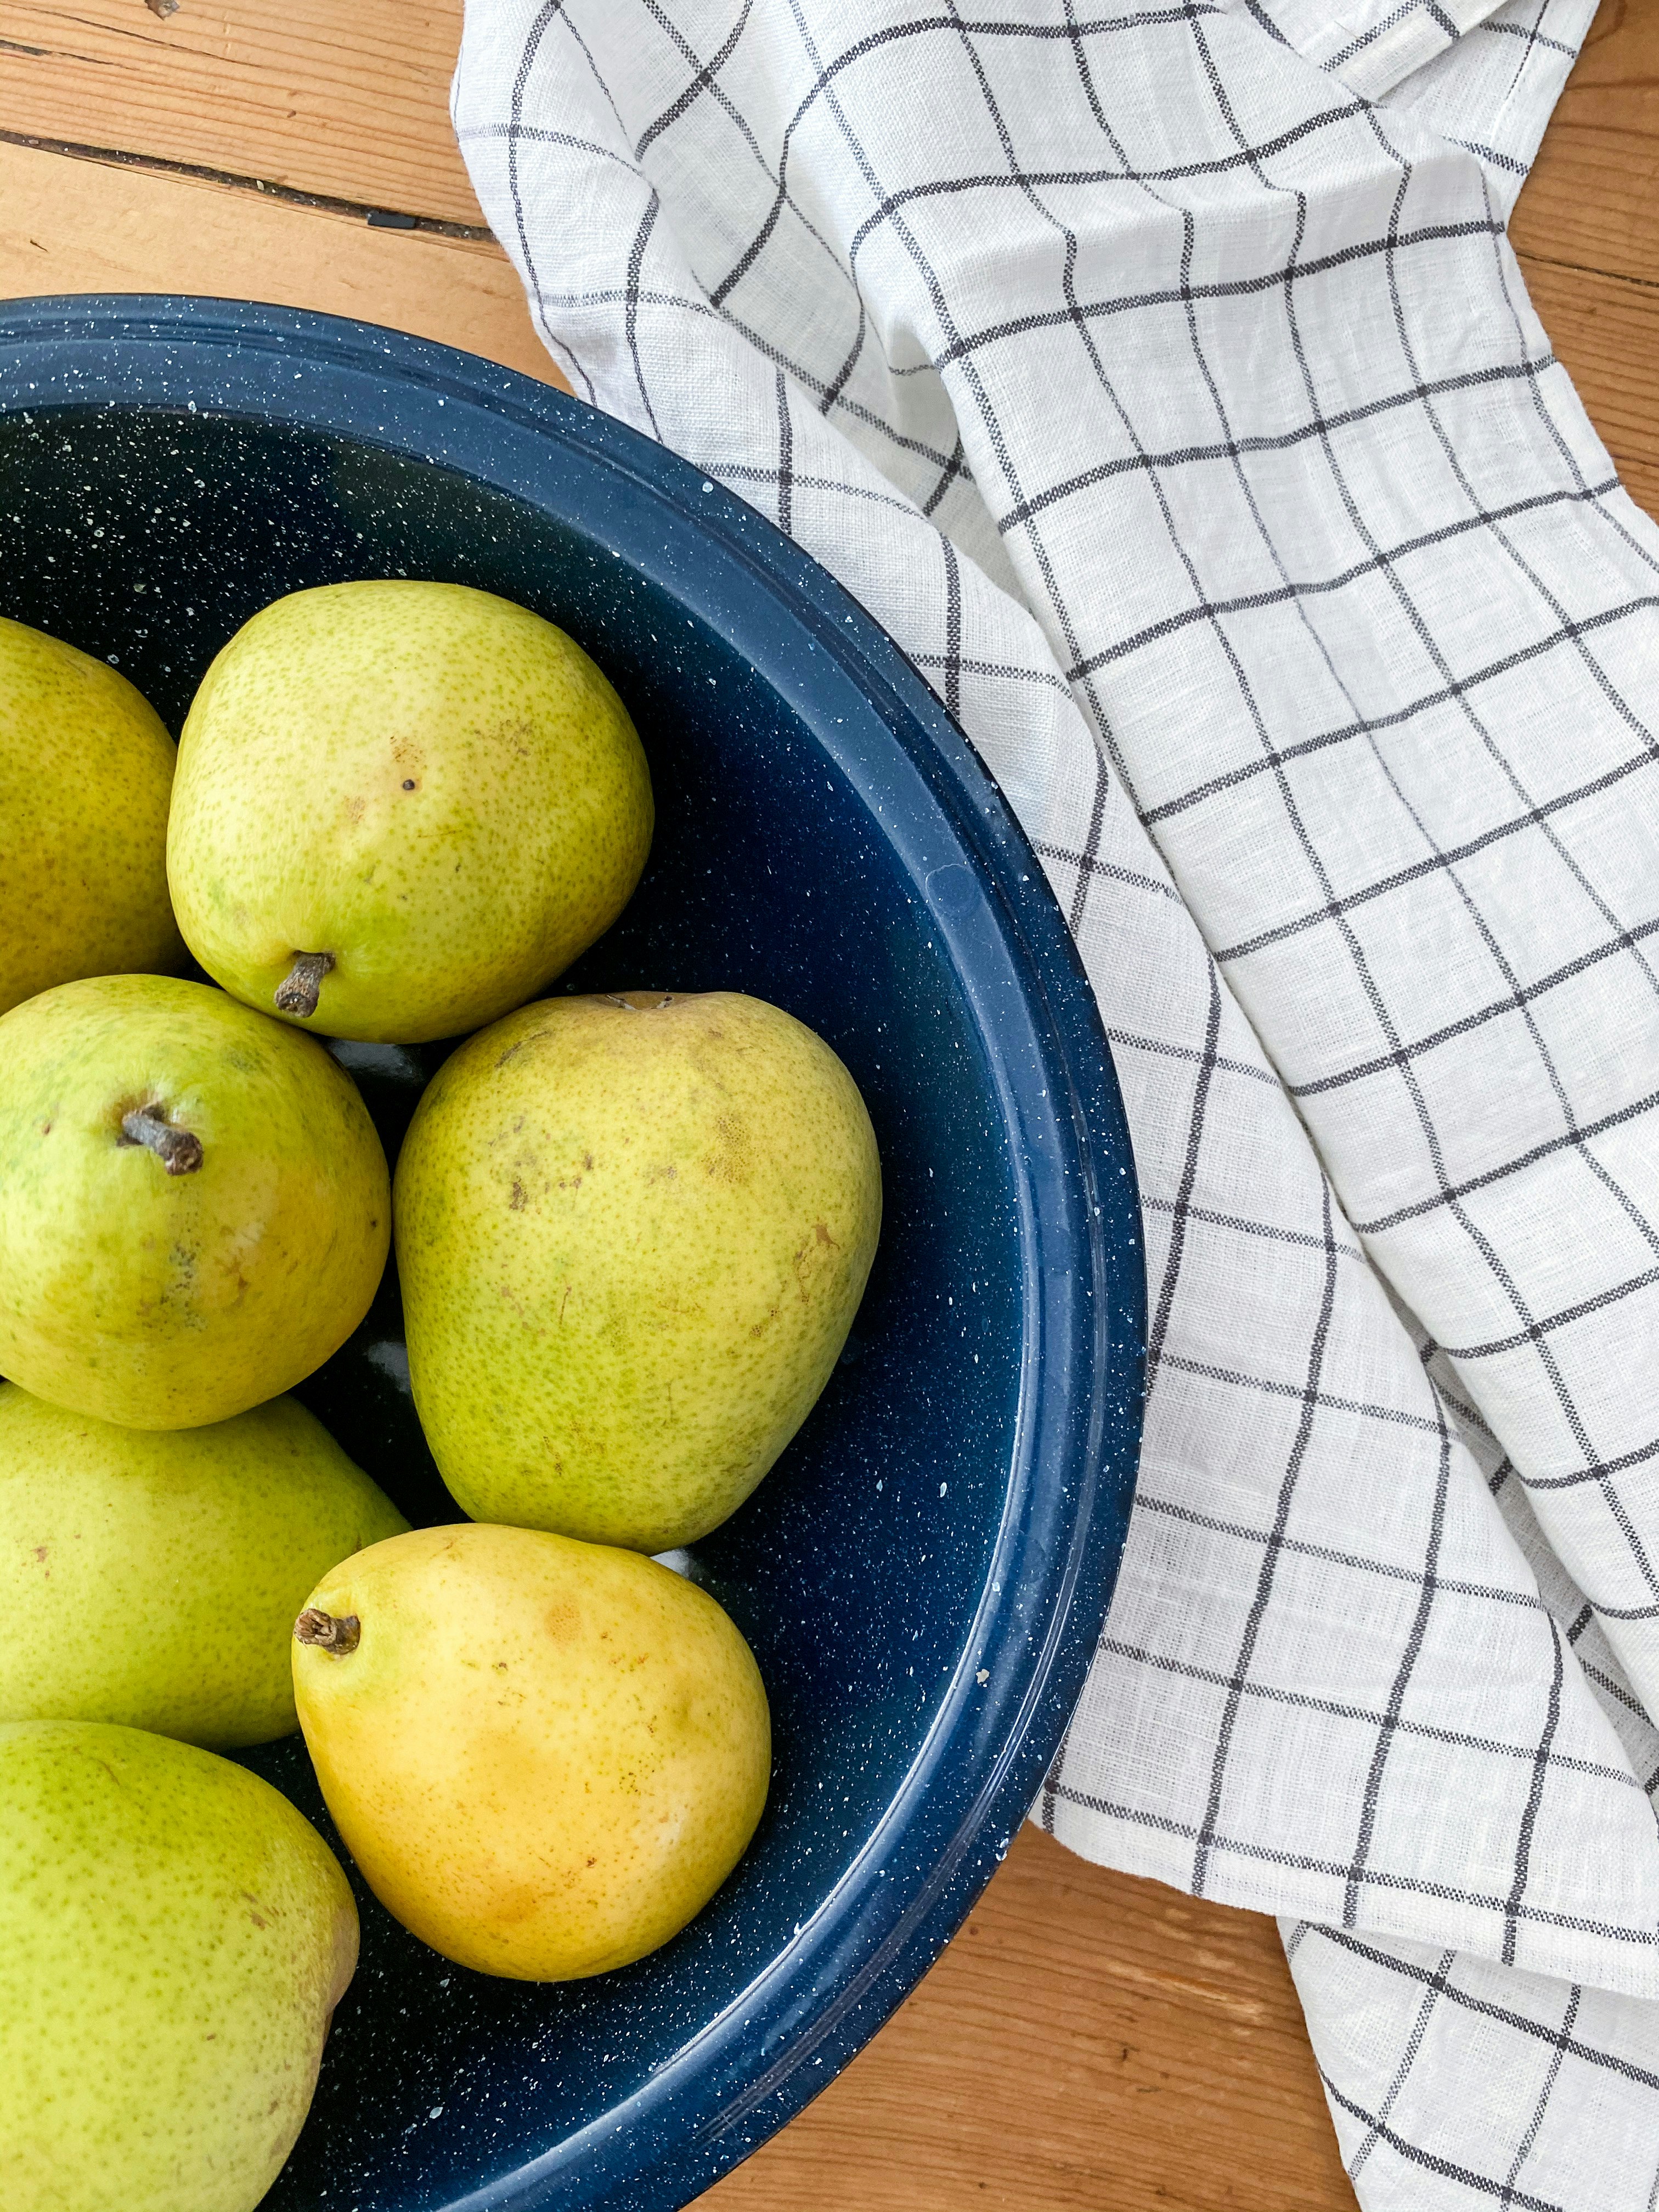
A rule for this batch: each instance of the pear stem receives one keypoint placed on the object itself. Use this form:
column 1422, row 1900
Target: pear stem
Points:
column 297, row 992
column 180, row 1151
column 328, row 1634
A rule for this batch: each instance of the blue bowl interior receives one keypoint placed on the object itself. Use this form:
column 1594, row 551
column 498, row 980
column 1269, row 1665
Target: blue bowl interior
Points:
column 884, row 1561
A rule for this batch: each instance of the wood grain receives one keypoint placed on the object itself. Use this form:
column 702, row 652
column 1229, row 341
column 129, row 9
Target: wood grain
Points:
column 79, row 226
column 345, row 98
column 1590, row 200
column 1606, row 330
column 1089, row 2043
column 1586, row 230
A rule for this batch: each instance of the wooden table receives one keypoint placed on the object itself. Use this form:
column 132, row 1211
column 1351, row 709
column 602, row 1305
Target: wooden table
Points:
column 1089, row 2043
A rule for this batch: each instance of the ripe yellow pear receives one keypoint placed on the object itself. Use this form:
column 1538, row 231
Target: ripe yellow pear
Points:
column 152, row 1578
column 632, row 1235
column 544, row 1756
column 401, row 809
column 86, row 769
column 193, row 1202
column 173, row 1939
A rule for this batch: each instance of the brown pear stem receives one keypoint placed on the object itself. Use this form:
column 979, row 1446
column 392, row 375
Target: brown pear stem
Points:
column 297, row 992
column 328, row 1634
column 180, row 1151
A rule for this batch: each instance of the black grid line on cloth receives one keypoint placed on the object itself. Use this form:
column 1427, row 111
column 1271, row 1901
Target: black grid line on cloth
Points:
column 940, row 308
column 1205, row 1840
column 1158, row 1328
column 1147, row 1501
column 1306, row 1395
column 1518, row 999
column 1529, row 1816
column 1314, row 587
column 1318, row 426
column 1560, row 2081
column 1216, row 1839
column 539, row 30
column 1483, row 2184
column 1244, row 288
column 1407, row 2059
column 1373, row 725
column 1532, row 32
column 1164, row 1049
column 1388, row 1722
column 1391, row 1720
column 1524, row 2148
column 1383, row 25
column 1274, row 1231
column 1400, row 879
column 1516, row 2022
column 1636, row 1109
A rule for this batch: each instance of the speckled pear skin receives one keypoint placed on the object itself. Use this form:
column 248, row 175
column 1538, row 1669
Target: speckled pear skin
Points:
column 431, row 784
column 161, row 1301
column 632, row 1235
column 152, row 1578
column 85, row 771
column 173, row 1939
column 544, row 1756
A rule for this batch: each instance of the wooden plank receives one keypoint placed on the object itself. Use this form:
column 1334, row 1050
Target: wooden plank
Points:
column 1590, row 200
column 1605, row 329
column 1583, row 228
column 76, row 226
column 349, row 100
column 1089, row 2043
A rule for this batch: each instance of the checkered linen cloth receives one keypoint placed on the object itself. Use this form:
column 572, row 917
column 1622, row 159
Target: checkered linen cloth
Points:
column 1160, row 376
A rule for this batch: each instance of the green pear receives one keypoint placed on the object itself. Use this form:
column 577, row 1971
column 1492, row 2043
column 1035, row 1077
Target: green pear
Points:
column 632, row 1235
column 86, row 769
column 174, row 1939
column 544, row 1756
column 401, row 808
column 153, row 1578
column 193, row 1202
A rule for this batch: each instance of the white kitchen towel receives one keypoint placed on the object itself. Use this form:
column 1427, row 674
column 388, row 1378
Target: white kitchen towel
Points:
column 1161, row 377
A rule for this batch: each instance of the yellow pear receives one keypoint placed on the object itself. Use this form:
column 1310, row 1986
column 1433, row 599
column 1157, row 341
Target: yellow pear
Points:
column 86, row 769
column 401, row 809
column 193, row 1202
column 152, row 1577
column 632, row 1235
column 173, row 1939
column 544, row 1756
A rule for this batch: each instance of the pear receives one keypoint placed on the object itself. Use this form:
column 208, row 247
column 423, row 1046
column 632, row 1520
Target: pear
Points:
column 401, row 808
column 152, row 1579
column 632, row 1234
column 86, row 769
column 544, row 1756
column 193, row 1202
column 174, row 1939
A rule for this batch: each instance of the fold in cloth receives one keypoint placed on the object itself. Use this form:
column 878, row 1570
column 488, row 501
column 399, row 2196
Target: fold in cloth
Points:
column 1161, row 377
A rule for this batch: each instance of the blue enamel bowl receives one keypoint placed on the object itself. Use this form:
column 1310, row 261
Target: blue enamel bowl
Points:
column 924, row 1574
